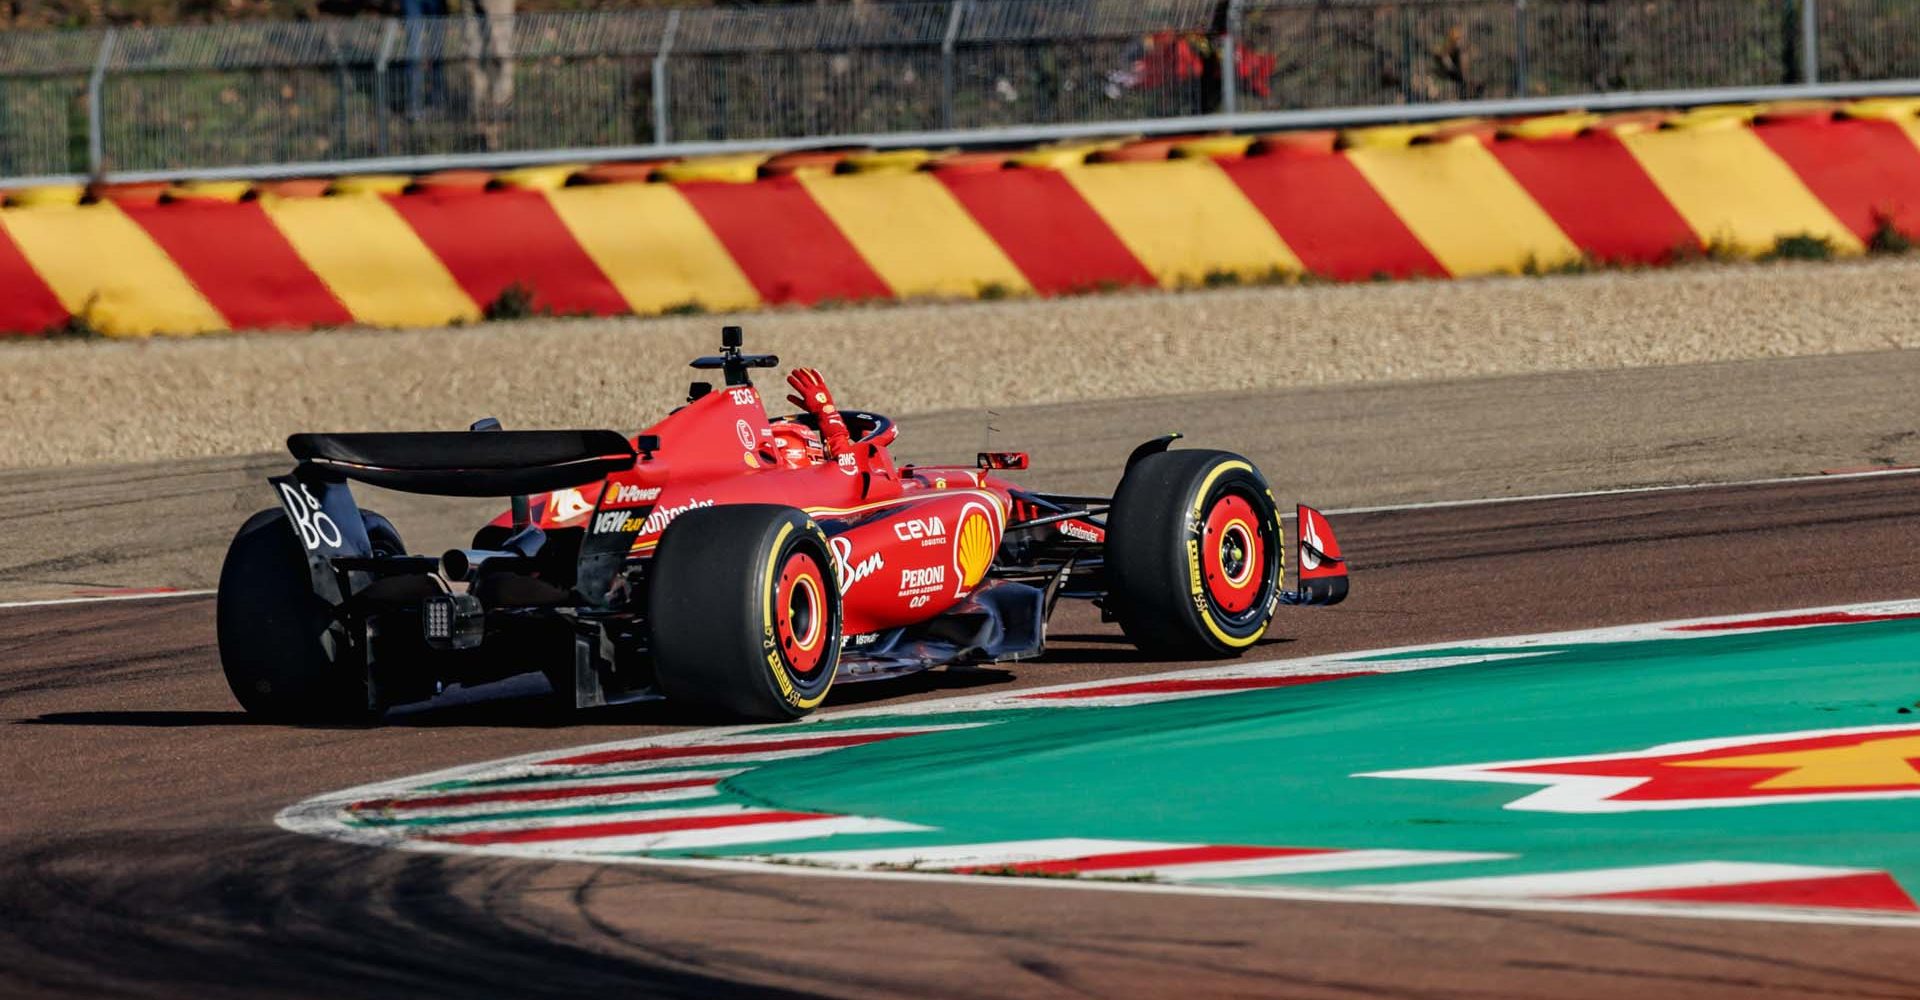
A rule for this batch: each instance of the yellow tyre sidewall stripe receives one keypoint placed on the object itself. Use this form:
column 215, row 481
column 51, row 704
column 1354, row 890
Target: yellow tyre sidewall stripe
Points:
column 1196, row 515
column 776, row 664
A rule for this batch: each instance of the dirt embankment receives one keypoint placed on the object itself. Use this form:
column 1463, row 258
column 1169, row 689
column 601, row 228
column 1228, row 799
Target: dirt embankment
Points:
column 71, row 403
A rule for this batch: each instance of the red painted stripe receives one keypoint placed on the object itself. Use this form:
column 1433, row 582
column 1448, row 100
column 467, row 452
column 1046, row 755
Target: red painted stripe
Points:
column 242, row 263
column 594, row 831
column 1597, row 193
column 1145, row 859
column 784, row 243
column 1181, row 684
column 1866, row 891
column 493, row 240
column 527, row 795
column 1860, row 169
column 1334, row 221
column 729, row 749
column 29, row 306
column 1049, row 232
column 1795, row 621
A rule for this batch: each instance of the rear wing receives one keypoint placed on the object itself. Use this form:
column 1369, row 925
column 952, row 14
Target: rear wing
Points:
column 465, row 463
column 328, row 523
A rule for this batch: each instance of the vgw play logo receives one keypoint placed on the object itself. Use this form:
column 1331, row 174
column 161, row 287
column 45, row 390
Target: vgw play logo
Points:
column 1876, row 762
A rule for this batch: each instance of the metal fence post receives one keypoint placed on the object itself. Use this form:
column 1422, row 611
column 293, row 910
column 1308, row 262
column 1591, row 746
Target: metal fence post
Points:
column 662, row 125
column 1809, row 41
column 96, row 115
column 389, row 36
column 1519, row 48
column 947, row 81
column 1230, row 59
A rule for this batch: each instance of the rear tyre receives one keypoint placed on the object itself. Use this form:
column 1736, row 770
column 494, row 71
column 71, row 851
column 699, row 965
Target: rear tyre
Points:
column 285, row 655
column 745, row 609
column 1193, row 554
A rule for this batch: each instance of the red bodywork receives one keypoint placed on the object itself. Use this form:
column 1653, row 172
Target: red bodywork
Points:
column 908, row 543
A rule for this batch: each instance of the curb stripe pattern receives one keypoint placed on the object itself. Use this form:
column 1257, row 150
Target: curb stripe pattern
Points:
column 632, row 801
column 1473, row 204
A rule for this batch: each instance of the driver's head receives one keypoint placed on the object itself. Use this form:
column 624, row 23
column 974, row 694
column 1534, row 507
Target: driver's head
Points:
column 794, row 446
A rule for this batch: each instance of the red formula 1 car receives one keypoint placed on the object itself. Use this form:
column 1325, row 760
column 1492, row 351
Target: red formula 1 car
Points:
column 726, row 559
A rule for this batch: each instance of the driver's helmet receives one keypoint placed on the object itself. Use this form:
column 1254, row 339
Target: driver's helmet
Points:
column 794, row 446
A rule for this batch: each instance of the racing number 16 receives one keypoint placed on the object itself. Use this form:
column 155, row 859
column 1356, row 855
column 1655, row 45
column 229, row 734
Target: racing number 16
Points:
column 315, row 527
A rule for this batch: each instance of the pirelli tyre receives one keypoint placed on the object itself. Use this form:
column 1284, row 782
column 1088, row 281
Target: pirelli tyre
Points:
column 745, row 611
column 1194, row 554
column 284, row 653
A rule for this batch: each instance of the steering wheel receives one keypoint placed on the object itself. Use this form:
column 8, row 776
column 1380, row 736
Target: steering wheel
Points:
column 865, row 428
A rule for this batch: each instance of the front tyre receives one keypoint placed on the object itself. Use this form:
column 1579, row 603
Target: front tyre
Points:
column 745, row 611
column 1194, row 554
column 285, row 655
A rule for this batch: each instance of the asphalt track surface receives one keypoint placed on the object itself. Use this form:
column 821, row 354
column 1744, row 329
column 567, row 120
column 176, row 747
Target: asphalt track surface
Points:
column 138, row 855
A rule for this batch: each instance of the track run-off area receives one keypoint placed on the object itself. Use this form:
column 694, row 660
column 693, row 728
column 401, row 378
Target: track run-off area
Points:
column 1235, row 770
column 1581, row 804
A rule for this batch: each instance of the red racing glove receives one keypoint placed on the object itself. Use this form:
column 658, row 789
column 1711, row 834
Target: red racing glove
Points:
column 811, row 395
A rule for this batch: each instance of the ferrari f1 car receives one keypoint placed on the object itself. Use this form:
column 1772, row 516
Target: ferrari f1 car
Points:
column 732, row 561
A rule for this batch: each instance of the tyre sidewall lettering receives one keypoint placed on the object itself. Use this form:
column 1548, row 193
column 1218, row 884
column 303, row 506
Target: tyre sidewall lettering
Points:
column 1195, row 534
column 783, row 678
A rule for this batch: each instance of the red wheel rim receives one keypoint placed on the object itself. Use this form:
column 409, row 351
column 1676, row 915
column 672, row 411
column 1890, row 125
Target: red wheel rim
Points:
column 1232, row 556
column 800, row 613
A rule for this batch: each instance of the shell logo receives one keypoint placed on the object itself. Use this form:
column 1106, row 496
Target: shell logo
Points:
column 973, row 546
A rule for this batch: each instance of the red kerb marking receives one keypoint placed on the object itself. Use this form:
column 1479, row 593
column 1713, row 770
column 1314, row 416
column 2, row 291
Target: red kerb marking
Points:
column 784, row 243
column 29, row 306
column 1333, row 220
column 728, row 749
column 1859, row 169
column 242, row 263
column 528, row 795
column 1180, row 684
column 593, row 831
column 1146, row 859
column 1795, row 621
column 1597, row 193
column 1039, row 219
column 1865, row 891
column 502, row 238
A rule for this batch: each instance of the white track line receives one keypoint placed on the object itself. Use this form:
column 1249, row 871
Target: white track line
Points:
column 1605, row 881
column 1299, row 864
column 103, row 598
column 721, row 836
column 1624, row 491
column 987, row 855
column 585, row 808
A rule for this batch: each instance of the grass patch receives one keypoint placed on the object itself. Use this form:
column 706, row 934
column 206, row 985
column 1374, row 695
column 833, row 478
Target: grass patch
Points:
column 79, row 326
column 1800, row 246
column 516, row 301
column 994, row 291
column 691, row 307
column 1586, row 263
column 1887, row 237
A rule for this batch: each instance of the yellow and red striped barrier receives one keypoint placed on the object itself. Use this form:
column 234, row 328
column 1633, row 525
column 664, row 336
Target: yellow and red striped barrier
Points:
column 1460, row 199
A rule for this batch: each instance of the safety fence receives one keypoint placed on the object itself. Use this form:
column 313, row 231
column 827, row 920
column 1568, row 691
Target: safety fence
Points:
column 1568, row 190
column 248, row 94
